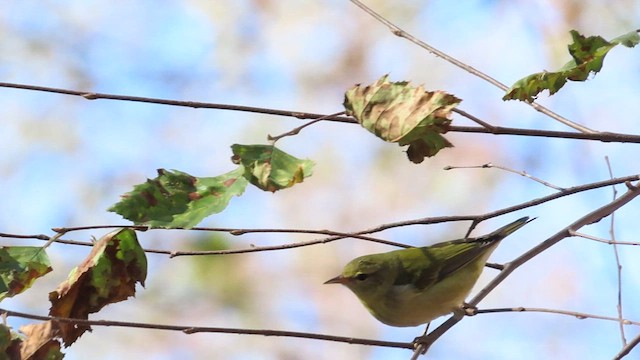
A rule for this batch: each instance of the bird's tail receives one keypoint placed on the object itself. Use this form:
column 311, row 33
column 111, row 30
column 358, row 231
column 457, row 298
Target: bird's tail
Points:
column 507, row 230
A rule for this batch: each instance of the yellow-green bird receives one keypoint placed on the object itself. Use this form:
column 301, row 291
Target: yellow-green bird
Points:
column 413, row 286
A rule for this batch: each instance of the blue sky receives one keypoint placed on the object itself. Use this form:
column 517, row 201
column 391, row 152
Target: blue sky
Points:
column 67, row 159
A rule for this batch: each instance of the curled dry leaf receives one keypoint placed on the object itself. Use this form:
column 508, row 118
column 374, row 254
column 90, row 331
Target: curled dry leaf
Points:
column 397, row 112
column 108, row 275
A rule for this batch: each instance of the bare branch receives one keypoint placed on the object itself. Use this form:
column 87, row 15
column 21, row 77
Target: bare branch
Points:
column 423, row 343
column 499, row 130
column 578, row 315
column 190, row 104
column 478, row 121
column 485, row 129
column 617, row 257
column 606, row 241
column 296, row 130
column 334, row 235
column 200, row 329
column 476, row 219
column 403, row 34
column 627, row 348
column 479, row 218
column 521, row 173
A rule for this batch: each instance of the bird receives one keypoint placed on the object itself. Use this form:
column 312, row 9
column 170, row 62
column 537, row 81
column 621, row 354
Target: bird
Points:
column 413, row 286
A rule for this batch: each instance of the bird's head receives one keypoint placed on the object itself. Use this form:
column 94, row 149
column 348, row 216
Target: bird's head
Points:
column 365, row 275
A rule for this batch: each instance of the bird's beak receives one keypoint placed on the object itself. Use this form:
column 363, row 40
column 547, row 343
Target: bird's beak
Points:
column 337, row 280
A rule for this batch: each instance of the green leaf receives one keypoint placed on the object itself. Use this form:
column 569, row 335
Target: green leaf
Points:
column 108, row 275
column 10, row 343
column 629, row 40
column 397, row 112
column 178, row 200
column 588, row 56
column 20, row 266
column 270, row 168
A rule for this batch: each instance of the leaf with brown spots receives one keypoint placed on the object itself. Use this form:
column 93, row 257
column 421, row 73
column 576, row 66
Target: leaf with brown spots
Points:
column 11, row 343
column 20, row 266
column 397, row 112
column 108, row 275
column 176, row 199
column 588, row 55
column 40, row 342
column 270, row 168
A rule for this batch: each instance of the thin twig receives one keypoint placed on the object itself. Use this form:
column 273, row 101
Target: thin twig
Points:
column 633, row 191
column 579, row 315
column 495, row 130
column 476, row 219
column 617, row 257
column 296, row 130
column 335, row 235
column 479, row 218
column 605, row 241
column 521, row 173
column 403, row 34
column 474, row 119
column 201, row 329
column 73, row 242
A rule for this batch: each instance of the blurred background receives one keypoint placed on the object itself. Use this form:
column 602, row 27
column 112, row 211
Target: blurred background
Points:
column 66, row 159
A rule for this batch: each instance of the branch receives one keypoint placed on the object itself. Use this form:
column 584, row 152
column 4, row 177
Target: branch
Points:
column 485, row 129
column 605, row 241
column 424, row 342
column 627, row 348
column 601, row 136
column 617, row 257
column 333, row 235
column 578, row 315
column 199, row 329
column 521, row 173
column 397, row 31
column 191, row 104
column 479, row 218
column 297, row 130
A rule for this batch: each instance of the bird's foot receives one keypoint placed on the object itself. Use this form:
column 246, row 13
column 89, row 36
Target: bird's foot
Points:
column 422, row 342
column 468, row 310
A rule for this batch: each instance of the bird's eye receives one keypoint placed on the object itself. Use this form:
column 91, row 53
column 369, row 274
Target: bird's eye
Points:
column 362, row 276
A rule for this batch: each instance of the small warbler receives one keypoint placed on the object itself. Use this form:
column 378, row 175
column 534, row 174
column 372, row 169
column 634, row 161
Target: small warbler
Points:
column 413, row 286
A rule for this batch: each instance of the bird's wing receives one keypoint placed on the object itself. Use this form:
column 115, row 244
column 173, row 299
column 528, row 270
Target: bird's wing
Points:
column 423, row 267
column 426, row 266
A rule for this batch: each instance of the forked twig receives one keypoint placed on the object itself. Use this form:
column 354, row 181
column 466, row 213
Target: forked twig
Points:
column 397, row 31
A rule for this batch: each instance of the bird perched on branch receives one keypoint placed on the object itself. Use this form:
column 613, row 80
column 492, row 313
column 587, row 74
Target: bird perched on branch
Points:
column 413, row 286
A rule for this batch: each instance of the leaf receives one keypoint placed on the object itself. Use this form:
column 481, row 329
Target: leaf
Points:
column 588, row 56
column 629, row 39
column 270, row 168
column 178, row 200
column 397, row 112
column 40, row 342
column 10, row 343
column 20, row 266
column 108, row 275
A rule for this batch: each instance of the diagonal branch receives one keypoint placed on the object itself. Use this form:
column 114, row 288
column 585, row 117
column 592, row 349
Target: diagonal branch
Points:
column 425, row 342
column 627, row 348
column 333, row 235
column 397, row 31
